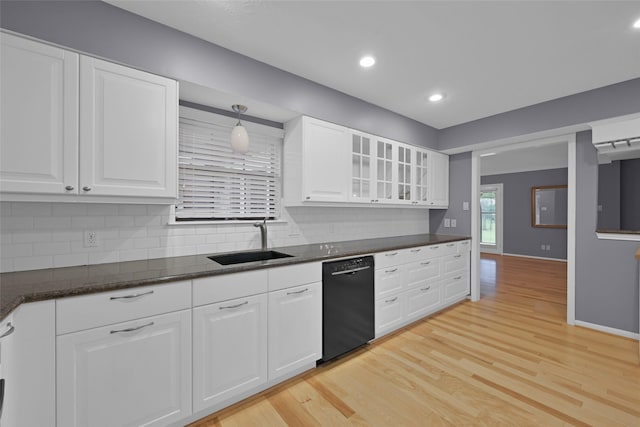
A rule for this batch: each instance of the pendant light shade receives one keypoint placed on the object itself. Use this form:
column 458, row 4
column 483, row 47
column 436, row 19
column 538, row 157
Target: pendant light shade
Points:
column 239, row 135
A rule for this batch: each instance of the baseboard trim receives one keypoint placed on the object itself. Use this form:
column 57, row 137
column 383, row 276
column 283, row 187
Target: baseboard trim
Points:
column 608, row 330
column 536, row 257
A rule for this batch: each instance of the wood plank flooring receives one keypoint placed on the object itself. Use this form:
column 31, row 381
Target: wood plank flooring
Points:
column 507, row 360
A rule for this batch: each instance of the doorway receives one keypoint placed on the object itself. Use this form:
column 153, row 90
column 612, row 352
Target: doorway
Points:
column 491, row 218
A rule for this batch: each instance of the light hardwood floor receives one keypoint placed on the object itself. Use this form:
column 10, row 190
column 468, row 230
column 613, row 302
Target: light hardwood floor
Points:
column 507, row 360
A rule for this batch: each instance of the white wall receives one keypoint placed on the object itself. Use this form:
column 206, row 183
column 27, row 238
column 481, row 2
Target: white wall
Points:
column 44, row 235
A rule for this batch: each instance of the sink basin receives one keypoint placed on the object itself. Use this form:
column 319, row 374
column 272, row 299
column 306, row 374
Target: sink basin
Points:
column 241, row 257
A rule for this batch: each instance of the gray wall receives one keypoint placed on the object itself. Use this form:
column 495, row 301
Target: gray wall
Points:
column 630, row 194
column 103, row 30
column 606, row 270
column 459, row 192
column 609, row 101
column 519, row 237
column 609, row 196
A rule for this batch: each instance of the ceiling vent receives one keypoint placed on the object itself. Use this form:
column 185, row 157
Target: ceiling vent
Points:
column 617, row 139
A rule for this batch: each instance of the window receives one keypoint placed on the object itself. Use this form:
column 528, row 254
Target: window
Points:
column 216, row 184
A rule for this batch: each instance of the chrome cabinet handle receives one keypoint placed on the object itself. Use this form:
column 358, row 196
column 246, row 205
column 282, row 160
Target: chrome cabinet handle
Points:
column 425, row 263
column 425, row 289
column 392, row 300
column 132, row 296
column 457, row 278
column 451, row 244
column 9, row 331
column 352, row 271
column 457, row 256
column 69, row 187
column 416, row 250
column 393, row 270
column 85, row 188
column 434, row 247
column 391, row 254
column 234, row 306
column 298, row 292
column 118, row 331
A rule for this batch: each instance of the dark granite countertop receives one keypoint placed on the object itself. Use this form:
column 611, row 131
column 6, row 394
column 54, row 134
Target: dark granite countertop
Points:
column 38, row 285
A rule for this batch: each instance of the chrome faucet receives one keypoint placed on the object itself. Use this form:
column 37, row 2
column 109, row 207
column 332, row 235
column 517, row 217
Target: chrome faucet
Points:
column 263, row 232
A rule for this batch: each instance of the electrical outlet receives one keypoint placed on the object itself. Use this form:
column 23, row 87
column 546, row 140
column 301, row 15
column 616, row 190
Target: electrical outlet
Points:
column 465, row 206
column 447, row 223
column 453, row 223
column 548, row 247
column 90, row 239
column 542, row 247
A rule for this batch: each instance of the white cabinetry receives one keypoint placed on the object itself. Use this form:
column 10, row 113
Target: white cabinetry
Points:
column 317, row 160
column 363, row 168
column 415, row 282
column 229, row 349
column 439, row 181
column 134, row 372
column 39, row 129
column 76, row 128
column 27, row 366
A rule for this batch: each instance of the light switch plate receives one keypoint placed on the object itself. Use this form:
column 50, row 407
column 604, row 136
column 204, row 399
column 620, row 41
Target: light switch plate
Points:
column 447, row 223
column 453, row 223
column 465, row 206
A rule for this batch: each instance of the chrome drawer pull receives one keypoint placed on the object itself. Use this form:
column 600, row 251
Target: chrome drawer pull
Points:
column 132, row 296
column 234, row 306
column 352, row 271
column 298, row 292
column 9, row 331
column 425, row 289
column 457, row 278
column 132, row 329
column 393, row 270
column 391, row 254
column 451, row 244
column 457, row 256
column 434, row 247
column 425, row 263
column 392, row 299
column 416, row 250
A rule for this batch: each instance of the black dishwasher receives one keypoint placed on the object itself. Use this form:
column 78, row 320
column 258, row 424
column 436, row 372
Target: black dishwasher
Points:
column 347, row 305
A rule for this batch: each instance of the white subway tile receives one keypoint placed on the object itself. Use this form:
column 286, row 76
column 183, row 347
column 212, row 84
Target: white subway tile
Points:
column 69, row 209
column 184, row 250
column 102, row 209
column 145, row 221
column 132, row 210
column 103, row 257
column 12, row 223
column 5, row 209
column 6, row 265
column 119, row 221
column 31, row 236
column 30, row 209
column 52, row 223
column 210, row 248
column 159, row 231
column 13, row 250
column 132, row 255
column 146, row 243
column 109, row 245
column 33, row 263
column 52, row 248
column 68, row 260
column 158, row 210
column 160, row 252
column 133, row 233
column 85, row 222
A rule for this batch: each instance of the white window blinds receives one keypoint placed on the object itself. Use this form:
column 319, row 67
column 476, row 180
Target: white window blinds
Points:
column 217, row 184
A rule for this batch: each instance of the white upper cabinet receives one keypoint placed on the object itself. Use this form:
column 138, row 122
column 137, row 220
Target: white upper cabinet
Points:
column 75, row 126
column 439, row 180
column 316, row 162
column 39, row 129
column 329, row 164
column 128, row 131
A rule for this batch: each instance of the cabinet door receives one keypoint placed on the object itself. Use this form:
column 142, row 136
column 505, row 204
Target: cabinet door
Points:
column 362, row 168
column 326, row 162
column 128, row 374
column 389, row 281
column 439, row 180
column 229, row 349
column 404, row 179
column 423, row 300
column 39, row 125
column 421, row 170
column 128, row 131
column 27, row 366
column 385, row 159
column 295, row 329
column 456, row 287
column 422, row 272
column 389, row 314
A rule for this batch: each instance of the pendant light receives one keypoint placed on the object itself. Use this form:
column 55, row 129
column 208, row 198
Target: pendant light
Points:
column 239, row 136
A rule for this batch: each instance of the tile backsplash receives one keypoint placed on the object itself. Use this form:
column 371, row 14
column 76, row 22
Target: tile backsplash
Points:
column 43, row 235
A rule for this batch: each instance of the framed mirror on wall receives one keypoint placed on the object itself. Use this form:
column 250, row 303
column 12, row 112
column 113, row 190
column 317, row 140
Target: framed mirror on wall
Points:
column 549, row 206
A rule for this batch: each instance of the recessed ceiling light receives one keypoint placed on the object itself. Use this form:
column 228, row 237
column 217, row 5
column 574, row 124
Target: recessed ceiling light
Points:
column 367, row 61
column 436, row 97
column 637, row 23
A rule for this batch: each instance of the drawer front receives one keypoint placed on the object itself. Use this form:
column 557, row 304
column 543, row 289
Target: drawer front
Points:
column 456, row 286
column 422, row 272
column 389, row 314
column 416, row 254
column 90, row 311
column 294, row 275
column 456, row 262
column 441, row 249
column 390, row 258
column 423, row 300
column 208, row 290
column 389, row 281
column 464, row 246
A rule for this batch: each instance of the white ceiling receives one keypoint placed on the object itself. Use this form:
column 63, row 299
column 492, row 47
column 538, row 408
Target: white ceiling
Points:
column 549, row 156
column 488, row 57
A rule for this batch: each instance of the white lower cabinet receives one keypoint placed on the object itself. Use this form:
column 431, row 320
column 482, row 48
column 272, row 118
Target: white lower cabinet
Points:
column 423, row 300
column 136, row 373
column 389, row 314
column 295, row 329
column 229, row 349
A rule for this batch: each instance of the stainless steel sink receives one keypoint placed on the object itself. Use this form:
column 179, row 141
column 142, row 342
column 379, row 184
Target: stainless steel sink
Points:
column 242, row 257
